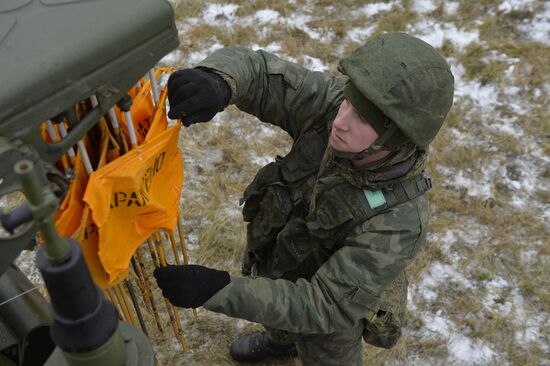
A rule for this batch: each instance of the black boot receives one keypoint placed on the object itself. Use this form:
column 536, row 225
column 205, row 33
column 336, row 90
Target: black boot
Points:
column 257, row 347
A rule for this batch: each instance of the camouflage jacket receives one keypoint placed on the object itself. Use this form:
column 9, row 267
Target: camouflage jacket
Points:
column 346, row 277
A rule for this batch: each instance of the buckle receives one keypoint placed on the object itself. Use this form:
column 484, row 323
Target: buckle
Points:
column 428, row 182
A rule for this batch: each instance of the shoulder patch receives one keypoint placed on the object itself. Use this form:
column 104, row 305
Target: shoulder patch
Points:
column 375, row 198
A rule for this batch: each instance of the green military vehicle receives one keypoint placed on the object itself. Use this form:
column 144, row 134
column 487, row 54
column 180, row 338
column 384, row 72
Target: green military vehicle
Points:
column 53, row 55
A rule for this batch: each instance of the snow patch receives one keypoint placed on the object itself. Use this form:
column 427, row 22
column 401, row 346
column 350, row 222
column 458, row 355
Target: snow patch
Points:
column 172, row 58
column 468, row 350
column 483, row 96
column 475, row 187
column 267, row 16
column 435, row 323
column 440, row 273
column 424, row 6
column 507, row 126
column 360, row 35
column 435, row 33
column 273, row 47
column 26, row 261
column 538, row 29
column 373, row 9
column 507, row 6
column 451, row 7
column 233, row 212
column 214, row 12
column 530, row 323
column 314, row 64
column 494, row 289
column 528, row 257
column 301, row 21
column 261, row 160
column 267, row 130
column 462, row 349
column 196, row 57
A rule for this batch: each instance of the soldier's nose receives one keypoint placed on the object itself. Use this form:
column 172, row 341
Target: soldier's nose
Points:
column 341, row 122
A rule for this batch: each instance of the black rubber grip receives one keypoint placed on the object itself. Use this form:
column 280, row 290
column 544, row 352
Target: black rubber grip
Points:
column 83, row 319
column 18, row 216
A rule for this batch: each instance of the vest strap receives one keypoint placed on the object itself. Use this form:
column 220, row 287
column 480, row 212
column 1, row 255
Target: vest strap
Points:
column 397, row 193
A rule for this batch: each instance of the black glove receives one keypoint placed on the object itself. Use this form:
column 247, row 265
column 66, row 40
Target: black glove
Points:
column 196, row 95
column 190, row 286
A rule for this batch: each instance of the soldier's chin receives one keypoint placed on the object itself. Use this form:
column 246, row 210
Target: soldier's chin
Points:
column 342, row 154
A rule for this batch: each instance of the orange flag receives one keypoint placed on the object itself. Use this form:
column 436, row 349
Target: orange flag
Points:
column 142, row 110
column 136, row 195
column 68, row 216
column 87, row 233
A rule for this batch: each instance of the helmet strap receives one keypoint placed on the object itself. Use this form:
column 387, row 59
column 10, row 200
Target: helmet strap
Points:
column 378, row 145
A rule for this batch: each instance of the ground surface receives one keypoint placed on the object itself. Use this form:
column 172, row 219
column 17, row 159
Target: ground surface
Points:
column 480, row 288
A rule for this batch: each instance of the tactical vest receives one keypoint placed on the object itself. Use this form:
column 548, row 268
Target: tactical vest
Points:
column 291, row 234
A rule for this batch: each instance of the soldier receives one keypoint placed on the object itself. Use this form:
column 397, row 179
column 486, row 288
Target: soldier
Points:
column 332, row 225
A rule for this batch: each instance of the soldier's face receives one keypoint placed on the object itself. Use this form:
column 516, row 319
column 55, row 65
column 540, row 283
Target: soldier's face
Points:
column 350, row 132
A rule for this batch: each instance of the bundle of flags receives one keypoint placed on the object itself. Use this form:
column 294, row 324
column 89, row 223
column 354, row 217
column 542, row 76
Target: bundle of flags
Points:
column 127, row 174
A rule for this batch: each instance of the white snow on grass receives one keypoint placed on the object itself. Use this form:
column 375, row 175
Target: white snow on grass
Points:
column 438, row 325
column 273, row 47
column 507, row 126
column 539, row 28
column 424, row 6
column 375, row 8
column 233, row 212
column 267, row 130
column 530, row 323
column 440, row 273
column 301, row 22
column 196, row 57
column 485, row 97
column 528, row 257
column 462, row 350
column 213, row 13
column 314, row 64
column 172, row 58
column 480, row 184
column 507, row 6
column 267, row 16
column 480, row 187
column 435, row 33
column 260, row 161
column 434, row 277
column 451, row 7
column 360, row 35
column 524, row 185
column 26, row 261
column 494, row 289
column 470, row 351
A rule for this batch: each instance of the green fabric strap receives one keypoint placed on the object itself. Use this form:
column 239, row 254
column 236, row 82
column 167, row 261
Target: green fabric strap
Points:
column 394, row 195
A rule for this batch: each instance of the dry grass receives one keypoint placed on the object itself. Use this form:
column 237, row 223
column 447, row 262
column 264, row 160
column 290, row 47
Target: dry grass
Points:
column 493, row 236
column 219, row 166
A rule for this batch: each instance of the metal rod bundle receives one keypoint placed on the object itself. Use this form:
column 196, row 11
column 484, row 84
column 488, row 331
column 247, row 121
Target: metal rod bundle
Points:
column 137, row 307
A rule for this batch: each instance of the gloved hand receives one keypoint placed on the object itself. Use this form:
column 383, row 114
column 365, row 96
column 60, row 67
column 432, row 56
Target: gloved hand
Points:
column 191, row 285
column 196, row 95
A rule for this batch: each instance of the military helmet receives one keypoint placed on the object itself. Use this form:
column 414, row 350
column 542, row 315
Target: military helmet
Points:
column 397, row 79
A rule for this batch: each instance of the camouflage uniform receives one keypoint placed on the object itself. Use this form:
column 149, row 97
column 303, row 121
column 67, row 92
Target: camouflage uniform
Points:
column 325, row 272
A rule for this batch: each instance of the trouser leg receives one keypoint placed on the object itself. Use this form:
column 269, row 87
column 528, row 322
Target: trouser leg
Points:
column 281, row 337
column 336, row 349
